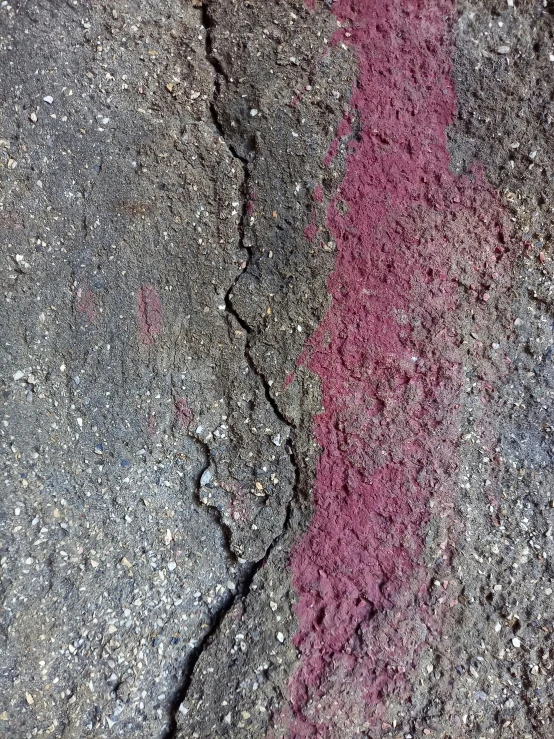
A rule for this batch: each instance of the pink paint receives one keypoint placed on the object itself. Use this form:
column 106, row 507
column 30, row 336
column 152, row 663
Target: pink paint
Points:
column 251, row 203
column 331, row 153
column 310, row 231
column 318, row 194
column 183, row 412
column 343, row 131
column 151, row 424
column 389, row 360
column 238, row 501
column 149, row 314
column 86, row 304
column 345, row 127
column 288, row 380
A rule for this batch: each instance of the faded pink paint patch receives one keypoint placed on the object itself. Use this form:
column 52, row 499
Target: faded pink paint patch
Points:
column 417, row 249
column 310, row 231
column 251, row 203
column 345, row 127
column 86, row 304
column 318, row 194
column 344, row 130
column 331, row 152
column 288, row 380
column 151, row 424
column 239, row 500
column 149, row 314
column 183, row 412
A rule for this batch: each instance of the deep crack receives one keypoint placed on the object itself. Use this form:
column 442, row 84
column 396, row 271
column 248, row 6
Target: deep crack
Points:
column 248, row 571
column 213, row 511
column 216, row 619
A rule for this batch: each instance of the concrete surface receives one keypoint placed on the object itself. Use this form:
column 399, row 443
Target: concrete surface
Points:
column 277, row 369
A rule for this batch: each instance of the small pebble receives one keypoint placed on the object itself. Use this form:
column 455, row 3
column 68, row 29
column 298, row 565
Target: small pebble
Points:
column 206, row 477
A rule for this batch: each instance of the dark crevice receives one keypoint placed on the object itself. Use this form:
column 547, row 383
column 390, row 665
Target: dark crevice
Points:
column 248, row 571
column 243, row 586
column 208, row 24
column 219, row 128
column 214, row 512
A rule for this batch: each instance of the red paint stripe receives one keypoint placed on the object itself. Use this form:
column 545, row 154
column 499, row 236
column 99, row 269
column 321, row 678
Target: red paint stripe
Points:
column 388, row 356
column 183, row 412
column 86, row 304
column 149, row 314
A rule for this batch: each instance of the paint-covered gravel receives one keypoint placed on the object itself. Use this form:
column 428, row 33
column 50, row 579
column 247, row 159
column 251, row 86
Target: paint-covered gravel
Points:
column 276, row 369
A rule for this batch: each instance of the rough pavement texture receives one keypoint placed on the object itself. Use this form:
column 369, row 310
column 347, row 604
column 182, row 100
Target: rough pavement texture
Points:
column 276, row 369
column 428, row 251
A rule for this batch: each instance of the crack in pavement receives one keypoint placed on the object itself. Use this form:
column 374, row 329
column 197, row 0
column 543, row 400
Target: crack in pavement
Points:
column 242, row 589
column 248, row 570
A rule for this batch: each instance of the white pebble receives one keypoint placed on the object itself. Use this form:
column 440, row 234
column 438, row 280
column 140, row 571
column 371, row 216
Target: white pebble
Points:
column 206, row 477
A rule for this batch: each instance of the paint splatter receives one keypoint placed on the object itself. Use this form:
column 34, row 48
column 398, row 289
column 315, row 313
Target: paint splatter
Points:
column 183, row 412
column 288, row 380
column 331, row 153
column 251, row 204
column 149, row 314
column 86, row 304
column 152, row 424
column 310, row 232
column 417, row 249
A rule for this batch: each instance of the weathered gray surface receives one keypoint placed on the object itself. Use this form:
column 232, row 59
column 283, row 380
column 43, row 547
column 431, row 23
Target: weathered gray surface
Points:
column 491, row 672
column 274, row 60
column 144, row 540
column 133, row 517
column 112, row 566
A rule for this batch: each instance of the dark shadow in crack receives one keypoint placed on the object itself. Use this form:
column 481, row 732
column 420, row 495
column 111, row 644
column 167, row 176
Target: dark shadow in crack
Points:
column 248, row 570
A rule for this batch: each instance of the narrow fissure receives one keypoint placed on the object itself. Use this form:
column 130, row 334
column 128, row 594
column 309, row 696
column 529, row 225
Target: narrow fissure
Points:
column 229, row 307
column 248, row 571
column 242, row 589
